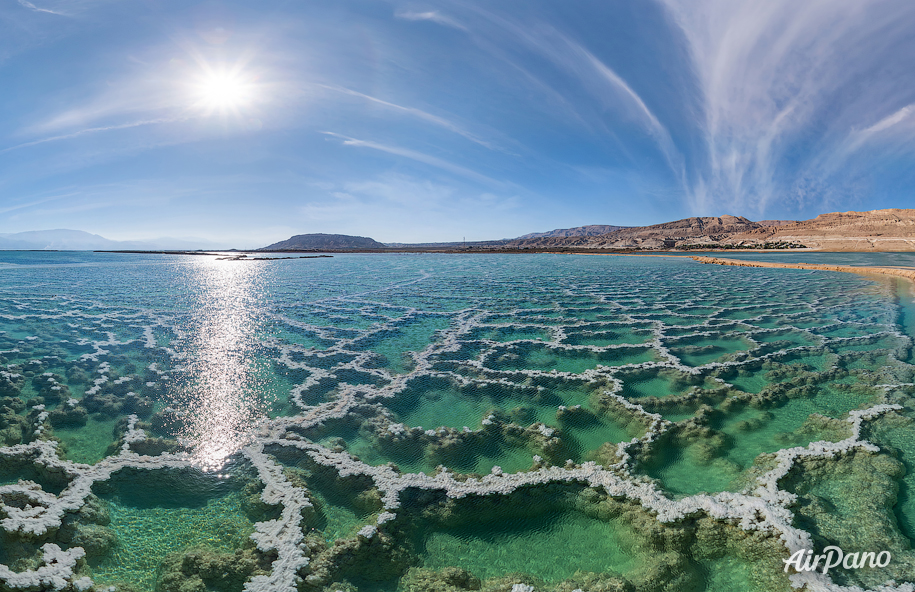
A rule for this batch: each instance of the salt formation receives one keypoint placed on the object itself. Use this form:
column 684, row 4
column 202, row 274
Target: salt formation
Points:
column 606, row 341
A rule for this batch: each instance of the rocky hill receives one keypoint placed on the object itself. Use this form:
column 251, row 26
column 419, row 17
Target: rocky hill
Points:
column 876, row 230
column 689, row 231
column 593, row 230
column 324, row 242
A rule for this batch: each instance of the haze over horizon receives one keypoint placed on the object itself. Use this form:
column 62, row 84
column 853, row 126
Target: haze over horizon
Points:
column 434, row 121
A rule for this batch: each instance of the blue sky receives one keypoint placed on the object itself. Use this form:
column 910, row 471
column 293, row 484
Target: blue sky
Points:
column 244, row 123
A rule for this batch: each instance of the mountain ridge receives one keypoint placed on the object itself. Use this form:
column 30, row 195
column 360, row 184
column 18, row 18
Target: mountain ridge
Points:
column 590, row 230
column 65, row 239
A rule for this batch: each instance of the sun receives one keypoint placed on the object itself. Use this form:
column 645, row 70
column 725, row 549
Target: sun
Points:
column 223, row 91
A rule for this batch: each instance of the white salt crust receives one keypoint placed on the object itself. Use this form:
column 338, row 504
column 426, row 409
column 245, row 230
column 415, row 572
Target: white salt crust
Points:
column 765, row 508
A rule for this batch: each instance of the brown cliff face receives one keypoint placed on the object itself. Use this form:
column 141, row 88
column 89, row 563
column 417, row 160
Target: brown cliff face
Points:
column 666, row 235
column 877, row 230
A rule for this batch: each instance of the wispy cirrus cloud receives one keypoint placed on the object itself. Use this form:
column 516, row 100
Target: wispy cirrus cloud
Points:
column 506, row 36
column 791, row 91
column 418, row 113
column 418, row 157
column 30, row 6
column 95, row 130
column 430, row 15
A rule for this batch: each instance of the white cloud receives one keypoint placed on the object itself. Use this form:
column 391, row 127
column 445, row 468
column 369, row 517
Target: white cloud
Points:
column 30, row 6
column 417, row 156
column 780, row 73
column 439, row 121
column 431, row 15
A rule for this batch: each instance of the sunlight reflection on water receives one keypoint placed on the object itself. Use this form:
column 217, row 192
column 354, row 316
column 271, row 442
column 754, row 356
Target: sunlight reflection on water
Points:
column 223, row 400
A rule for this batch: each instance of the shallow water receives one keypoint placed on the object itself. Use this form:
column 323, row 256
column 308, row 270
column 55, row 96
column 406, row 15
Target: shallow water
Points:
column 428, row 363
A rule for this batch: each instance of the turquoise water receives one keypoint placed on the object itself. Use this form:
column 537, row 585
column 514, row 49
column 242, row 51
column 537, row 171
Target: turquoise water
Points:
column 423, row 364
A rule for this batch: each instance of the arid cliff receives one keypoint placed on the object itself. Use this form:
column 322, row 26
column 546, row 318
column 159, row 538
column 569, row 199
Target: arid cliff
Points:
column 877, row 230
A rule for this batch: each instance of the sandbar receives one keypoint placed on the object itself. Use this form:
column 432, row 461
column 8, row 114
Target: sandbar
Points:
column 903, row 272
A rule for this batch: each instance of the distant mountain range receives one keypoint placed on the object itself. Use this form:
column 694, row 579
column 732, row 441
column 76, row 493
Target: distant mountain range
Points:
column 77, row 240
column 876, row 230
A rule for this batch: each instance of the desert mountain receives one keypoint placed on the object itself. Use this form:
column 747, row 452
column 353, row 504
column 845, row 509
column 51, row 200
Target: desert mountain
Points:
column 319, row 242
column 877, row 230
column 78, row 240
column 593, row 230
column 696, row 230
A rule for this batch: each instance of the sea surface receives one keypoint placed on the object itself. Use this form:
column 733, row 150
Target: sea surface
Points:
column 450, row 422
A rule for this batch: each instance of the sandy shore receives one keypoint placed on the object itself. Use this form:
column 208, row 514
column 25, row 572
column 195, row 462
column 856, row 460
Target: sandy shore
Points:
column 903, row 272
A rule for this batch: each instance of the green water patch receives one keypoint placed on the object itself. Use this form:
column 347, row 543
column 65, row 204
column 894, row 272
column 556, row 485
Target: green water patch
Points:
column 742, row 314
column 14, row 469
column 435, row 407
column 439, row 402
column 711, row 457
column 273, row 383
column 848, row 502
column 336, row 319
column 89, row 443
column 301, row 337
column 551, row 320
column 769, row 322
column 511, row 333
column 819, row 362
column 749, row 382
column 869, row 344
column 594, row 436
column 335, row 517
column 814, row 323
column 699, row 351
column 672, row 319
column 590, row 313
column 791, row 338
column 662, row 382
column 551, row 547
column 435, row 403
column 850, row 330
column 546, row 358
column 157, row 513
column 898, row 432
column 465, row 351
column 605, row 338
column 341, row 506
column 905, row 297
column 473, row 453
column 278, row 390
column 727, row 574
column 321, row 360
column 394, row 344
column 866, row 361
column 693, row 309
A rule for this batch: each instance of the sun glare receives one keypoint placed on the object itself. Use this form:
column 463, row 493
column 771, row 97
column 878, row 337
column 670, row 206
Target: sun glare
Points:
column 223, row 91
